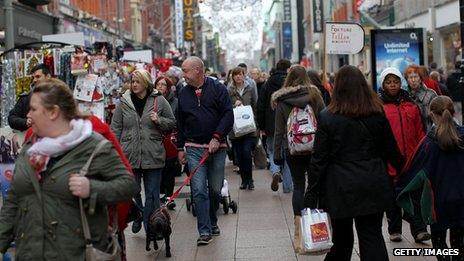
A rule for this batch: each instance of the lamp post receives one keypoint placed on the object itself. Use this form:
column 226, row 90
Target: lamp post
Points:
column 9, row 30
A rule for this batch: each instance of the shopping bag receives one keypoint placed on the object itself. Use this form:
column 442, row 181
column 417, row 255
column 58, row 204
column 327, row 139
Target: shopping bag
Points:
column 244, row 121
column 259, row 156
column 317, row 234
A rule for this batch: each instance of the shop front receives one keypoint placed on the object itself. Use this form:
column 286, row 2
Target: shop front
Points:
column 29, row 24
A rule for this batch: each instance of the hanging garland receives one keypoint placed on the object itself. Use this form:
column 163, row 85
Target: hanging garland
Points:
column 8, row 90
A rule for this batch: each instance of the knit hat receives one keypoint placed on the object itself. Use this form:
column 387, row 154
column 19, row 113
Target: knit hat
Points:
column 387, row 71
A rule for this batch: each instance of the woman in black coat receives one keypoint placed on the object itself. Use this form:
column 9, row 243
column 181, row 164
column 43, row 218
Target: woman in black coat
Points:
column 348, row 175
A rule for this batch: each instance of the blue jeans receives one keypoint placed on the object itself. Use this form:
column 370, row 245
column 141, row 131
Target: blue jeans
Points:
column 243, row 147
column 206, row 186
column 151, row 186
column 287, row 183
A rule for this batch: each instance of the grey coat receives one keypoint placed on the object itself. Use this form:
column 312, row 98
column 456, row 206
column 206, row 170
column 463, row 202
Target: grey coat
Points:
column 141, row 139
column 423, row 96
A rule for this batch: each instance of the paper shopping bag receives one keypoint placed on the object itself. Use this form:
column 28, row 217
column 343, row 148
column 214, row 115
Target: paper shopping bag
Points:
column 244, row 121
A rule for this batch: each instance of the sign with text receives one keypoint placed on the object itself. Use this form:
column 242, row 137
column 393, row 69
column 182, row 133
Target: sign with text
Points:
column 397, row 48
column 318, row 16
column 343, row 38
column 287, row 45
column 287, row 10
column 179, row 23
column 189, row 22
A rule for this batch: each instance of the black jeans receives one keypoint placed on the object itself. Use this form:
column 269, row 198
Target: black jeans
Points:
column 371, row 243
column 299, row 168
column 168, row 176
column 243, row 148
column 395, row 216
column 456, row 240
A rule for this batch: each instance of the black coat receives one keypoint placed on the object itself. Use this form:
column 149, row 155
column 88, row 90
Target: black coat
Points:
column 17, row 117
column 265, row 114
column 452, row 82
column 348, row 172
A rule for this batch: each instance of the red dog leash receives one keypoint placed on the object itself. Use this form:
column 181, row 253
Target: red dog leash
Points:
column 192, row 173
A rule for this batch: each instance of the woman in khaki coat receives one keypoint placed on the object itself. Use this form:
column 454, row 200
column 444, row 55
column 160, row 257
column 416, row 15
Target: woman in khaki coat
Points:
column 41, row 211
column 139, row 128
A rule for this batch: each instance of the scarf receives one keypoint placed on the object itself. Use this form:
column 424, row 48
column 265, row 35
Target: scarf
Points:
column 45, row 148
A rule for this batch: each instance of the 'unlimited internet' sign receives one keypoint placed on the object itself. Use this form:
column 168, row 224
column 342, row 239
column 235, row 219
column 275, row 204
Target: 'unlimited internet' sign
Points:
column 343, row 38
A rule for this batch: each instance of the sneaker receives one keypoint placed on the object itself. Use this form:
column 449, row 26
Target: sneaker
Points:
column 244, row 185
column 396, row 237
column 136, row 226
column 204, row 240
column 215, row 231
column 236, row 169
column 421, row 237
column 251, row 185
column 275, row 182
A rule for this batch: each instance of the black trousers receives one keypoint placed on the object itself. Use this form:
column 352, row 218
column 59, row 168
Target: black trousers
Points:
column 299, row 168
column 244, row 147
column 456, row 240
column 371, row 243
column 168, row 176
column 395, row 217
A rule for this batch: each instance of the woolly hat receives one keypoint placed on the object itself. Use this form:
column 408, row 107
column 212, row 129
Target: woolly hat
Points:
column 387, row 71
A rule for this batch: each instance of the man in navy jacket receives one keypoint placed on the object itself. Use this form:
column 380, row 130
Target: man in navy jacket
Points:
column 205, row 117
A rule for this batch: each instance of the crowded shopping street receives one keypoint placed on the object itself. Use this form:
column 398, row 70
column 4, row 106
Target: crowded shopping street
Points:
column 136, row 130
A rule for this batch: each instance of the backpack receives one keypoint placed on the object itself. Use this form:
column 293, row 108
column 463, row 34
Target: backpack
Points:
column 301, row 130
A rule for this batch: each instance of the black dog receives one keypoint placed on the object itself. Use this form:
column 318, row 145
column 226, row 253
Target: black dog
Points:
column 159, row 225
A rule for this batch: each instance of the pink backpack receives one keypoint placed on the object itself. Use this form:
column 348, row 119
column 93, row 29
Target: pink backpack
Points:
column 301, row 130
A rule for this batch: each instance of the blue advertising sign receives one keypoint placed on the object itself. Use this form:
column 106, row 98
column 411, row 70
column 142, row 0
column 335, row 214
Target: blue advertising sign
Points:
column 287, row 46
column 397, row 48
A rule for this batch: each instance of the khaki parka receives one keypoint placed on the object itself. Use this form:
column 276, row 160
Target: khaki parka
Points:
column 142, row 140
column 43, row 218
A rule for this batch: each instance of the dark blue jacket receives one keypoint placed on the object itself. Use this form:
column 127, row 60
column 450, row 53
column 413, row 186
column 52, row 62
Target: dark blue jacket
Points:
column 199, row 119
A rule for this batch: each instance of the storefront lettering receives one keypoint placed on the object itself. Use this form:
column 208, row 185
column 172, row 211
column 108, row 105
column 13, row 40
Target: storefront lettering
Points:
column 22, row 31
column 189, row 27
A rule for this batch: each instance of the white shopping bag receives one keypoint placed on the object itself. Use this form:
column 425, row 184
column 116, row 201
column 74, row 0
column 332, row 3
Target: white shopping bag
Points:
column 244, row 121
column 316, row 232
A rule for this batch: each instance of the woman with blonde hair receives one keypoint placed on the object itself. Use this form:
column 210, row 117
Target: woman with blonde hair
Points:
column 436, row 170
column 139, row 127
column 41, row 212
column 297, row 91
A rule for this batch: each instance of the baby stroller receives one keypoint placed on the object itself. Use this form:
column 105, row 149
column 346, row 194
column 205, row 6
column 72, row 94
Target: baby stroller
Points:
column 225, row 201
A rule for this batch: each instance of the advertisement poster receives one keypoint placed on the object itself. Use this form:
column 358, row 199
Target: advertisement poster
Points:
column 395, row 48
column 343, row 38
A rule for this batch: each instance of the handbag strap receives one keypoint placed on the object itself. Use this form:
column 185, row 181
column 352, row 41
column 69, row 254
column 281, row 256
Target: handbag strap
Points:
column 83, row 172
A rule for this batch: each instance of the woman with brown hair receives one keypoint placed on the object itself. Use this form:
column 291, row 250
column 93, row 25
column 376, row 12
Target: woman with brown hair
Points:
column 241, row 94
column 348, row 174
column 41, row 212
column 297, row 92
column 436, row 170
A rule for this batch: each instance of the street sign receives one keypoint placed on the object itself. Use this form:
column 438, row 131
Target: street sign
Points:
column 343, row 38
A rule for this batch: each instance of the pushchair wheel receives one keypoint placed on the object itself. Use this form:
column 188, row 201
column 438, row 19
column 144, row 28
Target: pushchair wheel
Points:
column 233, row 206
column 225, row 205
column 188, row 204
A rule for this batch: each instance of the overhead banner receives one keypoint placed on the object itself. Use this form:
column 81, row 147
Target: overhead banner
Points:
column 189, row 22
column 397, row 48
column 145, row 56
column 179, row 23
column 287, row 45
column 69, row 38
column 343, row 38
column 318, row 16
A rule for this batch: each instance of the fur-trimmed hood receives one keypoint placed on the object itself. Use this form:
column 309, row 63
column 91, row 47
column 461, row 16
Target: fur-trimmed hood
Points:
column 296, row 95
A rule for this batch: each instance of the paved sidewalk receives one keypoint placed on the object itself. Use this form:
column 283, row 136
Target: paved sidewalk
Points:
column 261, row 230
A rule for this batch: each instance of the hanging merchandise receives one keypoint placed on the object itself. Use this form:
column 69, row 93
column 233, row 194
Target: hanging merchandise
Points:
column 65, row 69
column 98, row 63
column 8, row 90
column 56, row 61
column 32, row 59
column 94, row 108
column 85, row 86
column 23, row 85
column 79, row 63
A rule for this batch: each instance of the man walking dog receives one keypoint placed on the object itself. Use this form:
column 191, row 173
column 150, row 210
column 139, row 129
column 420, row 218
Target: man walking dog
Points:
column 205, row 117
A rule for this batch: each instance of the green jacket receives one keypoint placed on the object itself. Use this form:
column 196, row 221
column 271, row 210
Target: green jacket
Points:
column 141, row 140
column 43, row 218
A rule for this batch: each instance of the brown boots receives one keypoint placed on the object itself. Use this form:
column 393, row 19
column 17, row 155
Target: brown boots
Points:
column 298, row 237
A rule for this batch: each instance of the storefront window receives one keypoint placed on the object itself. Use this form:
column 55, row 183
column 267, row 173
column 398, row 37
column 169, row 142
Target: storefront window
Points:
column 451, row 47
